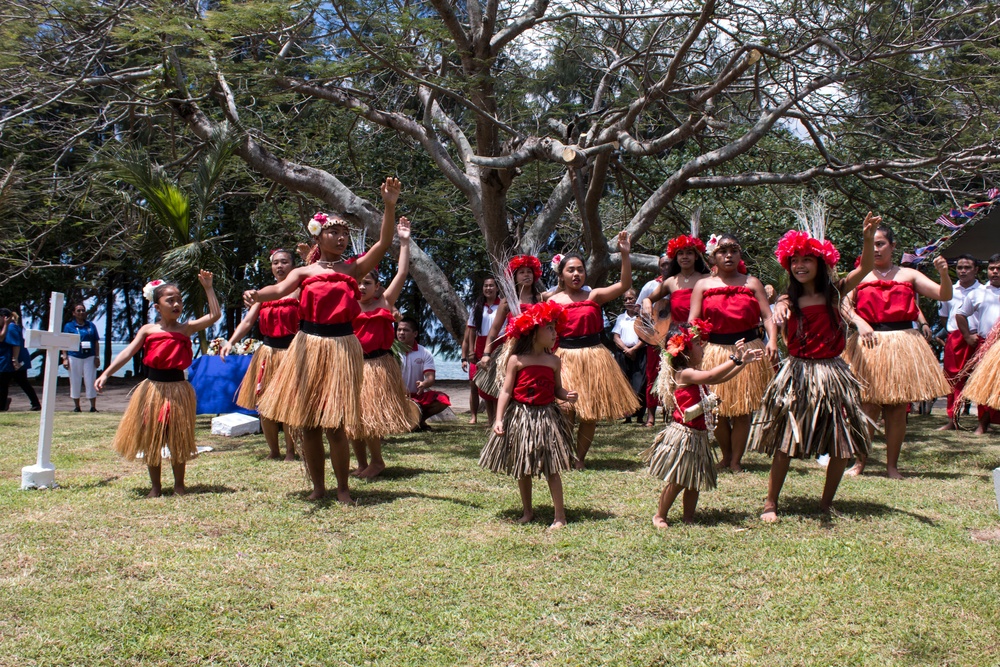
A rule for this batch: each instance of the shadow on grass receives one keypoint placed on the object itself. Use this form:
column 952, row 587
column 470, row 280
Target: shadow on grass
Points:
column 402, row 472
column 614, row 464
column 190, row 490
column 94, row 485
column 369, row 496
column 847, row 509
column 717, row 517
column 546, row 514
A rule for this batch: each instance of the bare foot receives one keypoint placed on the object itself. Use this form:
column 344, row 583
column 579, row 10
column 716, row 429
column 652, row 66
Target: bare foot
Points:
column 828, row 509
column 950, row 426
column 980, row 431
column 359, row 472
column 154, row 493
column 659, row 522
column 736, row 468
column 527, row 517
column 893, row 473
column 722, row 466
column 180, row 490
column 856, row 470
column 578, row 465
column 557, row 524
column 688, row 521
column 372, row 471
column 769, row 516
column 290, row 458
column 318, row 494
column 273, row 456
column 473, row 420
column 344, row 497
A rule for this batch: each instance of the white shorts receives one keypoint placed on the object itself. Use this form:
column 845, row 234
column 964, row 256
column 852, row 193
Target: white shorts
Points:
column 85, row 371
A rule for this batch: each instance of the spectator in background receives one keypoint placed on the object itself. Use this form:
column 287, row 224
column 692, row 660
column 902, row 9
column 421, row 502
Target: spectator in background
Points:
column 419, row 374
column 14, row 360
column 957, row 350
column 82, row 363
column 976, row 319
column 629, row 353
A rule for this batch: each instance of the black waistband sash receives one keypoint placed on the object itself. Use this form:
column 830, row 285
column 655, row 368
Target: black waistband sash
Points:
column 731, row 338
column 578, row 342
column 375, row 354
column 279, row 343
column 165, row 375
column 893, row 326
column 326, row 330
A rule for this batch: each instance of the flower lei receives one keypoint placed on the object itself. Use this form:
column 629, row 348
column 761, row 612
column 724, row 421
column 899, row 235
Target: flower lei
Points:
column 538, row 315
column 521, row 261
column 683, row 241
column 800, row 243
column 149, row 288
column 321, row 220
column 681, row 342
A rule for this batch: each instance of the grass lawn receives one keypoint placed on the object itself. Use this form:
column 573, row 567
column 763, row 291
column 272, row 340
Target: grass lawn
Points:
column 430, row 569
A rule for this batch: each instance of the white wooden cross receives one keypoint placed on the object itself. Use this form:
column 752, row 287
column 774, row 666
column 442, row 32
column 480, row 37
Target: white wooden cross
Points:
column 43, row 473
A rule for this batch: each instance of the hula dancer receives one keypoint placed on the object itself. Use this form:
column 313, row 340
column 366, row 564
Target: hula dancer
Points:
column 892, row 360
column 161, row 410
column 681, row 454
column 653, row 351
column 959, row 347
column 278, row 322
column 587, row 366
column 319, row 387
column 531, row 437
column 734, row 304
column 983, row 307
column 474, row 345
column 385, row 405
column 813, row 405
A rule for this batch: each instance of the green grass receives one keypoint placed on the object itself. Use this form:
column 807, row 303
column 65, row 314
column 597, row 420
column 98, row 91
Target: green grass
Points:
column 430, row 569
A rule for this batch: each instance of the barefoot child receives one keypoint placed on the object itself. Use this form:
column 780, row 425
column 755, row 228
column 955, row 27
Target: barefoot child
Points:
column 531, row 437
column 681, row 454
column 161, row 410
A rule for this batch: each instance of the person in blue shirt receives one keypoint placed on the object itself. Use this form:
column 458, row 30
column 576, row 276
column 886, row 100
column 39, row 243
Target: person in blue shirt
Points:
column 83, row 362
column 14, row 360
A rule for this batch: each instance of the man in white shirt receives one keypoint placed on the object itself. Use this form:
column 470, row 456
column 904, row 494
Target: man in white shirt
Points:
column 629, row 352
column 956, row 350
column 419, row 374
column 984, row 306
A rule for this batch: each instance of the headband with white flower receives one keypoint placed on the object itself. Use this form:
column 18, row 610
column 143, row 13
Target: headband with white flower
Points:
column 150, row 288
column 322, row 220
column 555, row 262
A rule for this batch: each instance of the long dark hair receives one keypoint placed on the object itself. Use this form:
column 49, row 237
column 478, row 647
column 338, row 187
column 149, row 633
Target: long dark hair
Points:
column 477, row 313
column 525, row 344
column 674, row 267
column 825, row 286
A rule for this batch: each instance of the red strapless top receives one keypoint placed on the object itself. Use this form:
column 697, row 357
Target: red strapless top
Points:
column 278, row 319
column 885, row 301
column 730, row 309
column 374, row 329
column 583, row 318
column 167, row 351
column 535, row 385
column 820, row 336
column 680, row 305
column 329, row 298
column 685, row 397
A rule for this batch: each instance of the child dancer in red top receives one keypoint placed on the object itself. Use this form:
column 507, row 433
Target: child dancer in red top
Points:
column 161, row 411
column 531, row 437
column 813, row 405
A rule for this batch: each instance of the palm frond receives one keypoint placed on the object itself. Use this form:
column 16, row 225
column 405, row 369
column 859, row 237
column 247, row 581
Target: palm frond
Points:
column 165, row 201
column 211, row 166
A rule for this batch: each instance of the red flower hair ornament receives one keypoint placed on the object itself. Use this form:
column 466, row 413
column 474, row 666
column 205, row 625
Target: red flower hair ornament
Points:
column 800, row 243
column 683, row 241
column 525, row 260
column 680, row 343
column 538, row 315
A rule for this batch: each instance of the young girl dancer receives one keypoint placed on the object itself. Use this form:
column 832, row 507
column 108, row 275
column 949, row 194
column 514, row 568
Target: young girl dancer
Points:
column 681, row 454
column 588, row 367
column 813, row 405
column 891, row 359
column 385, row 404
column 318, row 388
column 161, row 411
column 531, row 437
column 278, row 322
column 474, row 345
column 734, row 304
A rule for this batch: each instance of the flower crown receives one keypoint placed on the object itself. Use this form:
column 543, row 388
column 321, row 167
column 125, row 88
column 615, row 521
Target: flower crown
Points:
column 801, row 243
column 521, row 261
column 538, row 315
column 150, row 288
column 683, row 241
column 680, row 343
column 321, row 220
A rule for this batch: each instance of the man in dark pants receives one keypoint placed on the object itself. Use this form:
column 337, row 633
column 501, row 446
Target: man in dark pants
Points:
column 14, row 360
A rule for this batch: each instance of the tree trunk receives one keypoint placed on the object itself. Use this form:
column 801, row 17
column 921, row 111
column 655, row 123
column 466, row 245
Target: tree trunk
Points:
column 109, row 319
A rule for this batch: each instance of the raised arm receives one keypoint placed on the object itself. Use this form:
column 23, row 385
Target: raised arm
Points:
column 123, row 356
column 396, row 286
column 390, row 195
column 855, row 277
column 279, row 290
column 214, row 311
column 242, row 329
column 930, row 289
column 727, row 370
column 602, row 295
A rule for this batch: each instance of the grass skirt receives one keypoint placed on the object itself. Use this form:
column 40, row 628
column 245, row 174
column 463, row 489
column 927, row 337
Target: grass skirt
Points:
column 385, row 404
column 263, row 366
column 491, row 374
column 317, row 385
column 537, row 442
column 812, row 407
column 742, row 394
column 682, row 455
column 900, row 368
column 159, row 414
column 595, row 375
column 983, row 386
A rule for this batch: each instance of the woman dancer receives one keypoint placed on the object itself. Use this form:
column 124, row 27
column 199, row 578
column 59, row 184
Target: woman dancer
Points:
column 385, row 404
column 319, row 387
column 891, row 359
column 587, row 366
column 278, row 322
column 161, row 410
column 734, row 304
column 531, row 437
column 681, row 454
column 474, row 344
column 813, row 405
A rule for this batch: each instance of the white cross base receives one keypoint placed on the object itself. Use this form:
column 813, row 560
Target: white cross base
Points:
column 42, row 475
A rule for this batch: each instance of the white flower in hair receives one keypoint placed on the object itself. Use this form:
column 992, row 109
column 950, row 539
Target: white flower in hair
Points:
column 147, row 291
column 315, row 227
column 555, row 262
column 713, row 243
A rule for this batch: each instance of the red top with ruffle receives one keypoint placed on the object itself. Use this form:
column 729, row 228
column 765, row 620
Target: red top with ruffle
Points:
column 278, row 319
column 820, row 337
column 535, row 385
column 686, row 397
column 886, row 301
column 167, row 351
column 374, row 330
column 583, row 318
column 329, row 298
column 680, row 305
column 730, row 309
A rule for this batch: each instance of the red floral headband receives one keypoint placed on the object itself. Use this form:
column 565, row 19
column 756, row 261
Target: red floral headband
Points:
column 538, row 315
column 800, row 243
column 525, row 260
column 681, row 342
column 683, row 241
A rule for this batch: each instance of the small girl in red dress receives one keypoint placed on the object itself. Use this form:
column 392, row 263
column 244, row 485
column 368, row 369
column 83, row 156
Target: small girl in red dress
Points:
column 161, row 411
column 531, row 437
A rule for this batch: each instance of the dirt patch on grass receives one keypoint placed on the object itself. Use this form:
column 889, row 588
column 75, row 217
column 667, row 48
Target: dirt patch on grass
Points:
column 986, row 535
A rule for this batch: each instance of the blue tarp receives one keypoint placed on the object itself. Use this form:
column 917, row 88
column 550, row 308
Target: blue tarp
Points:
column 215, row 383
